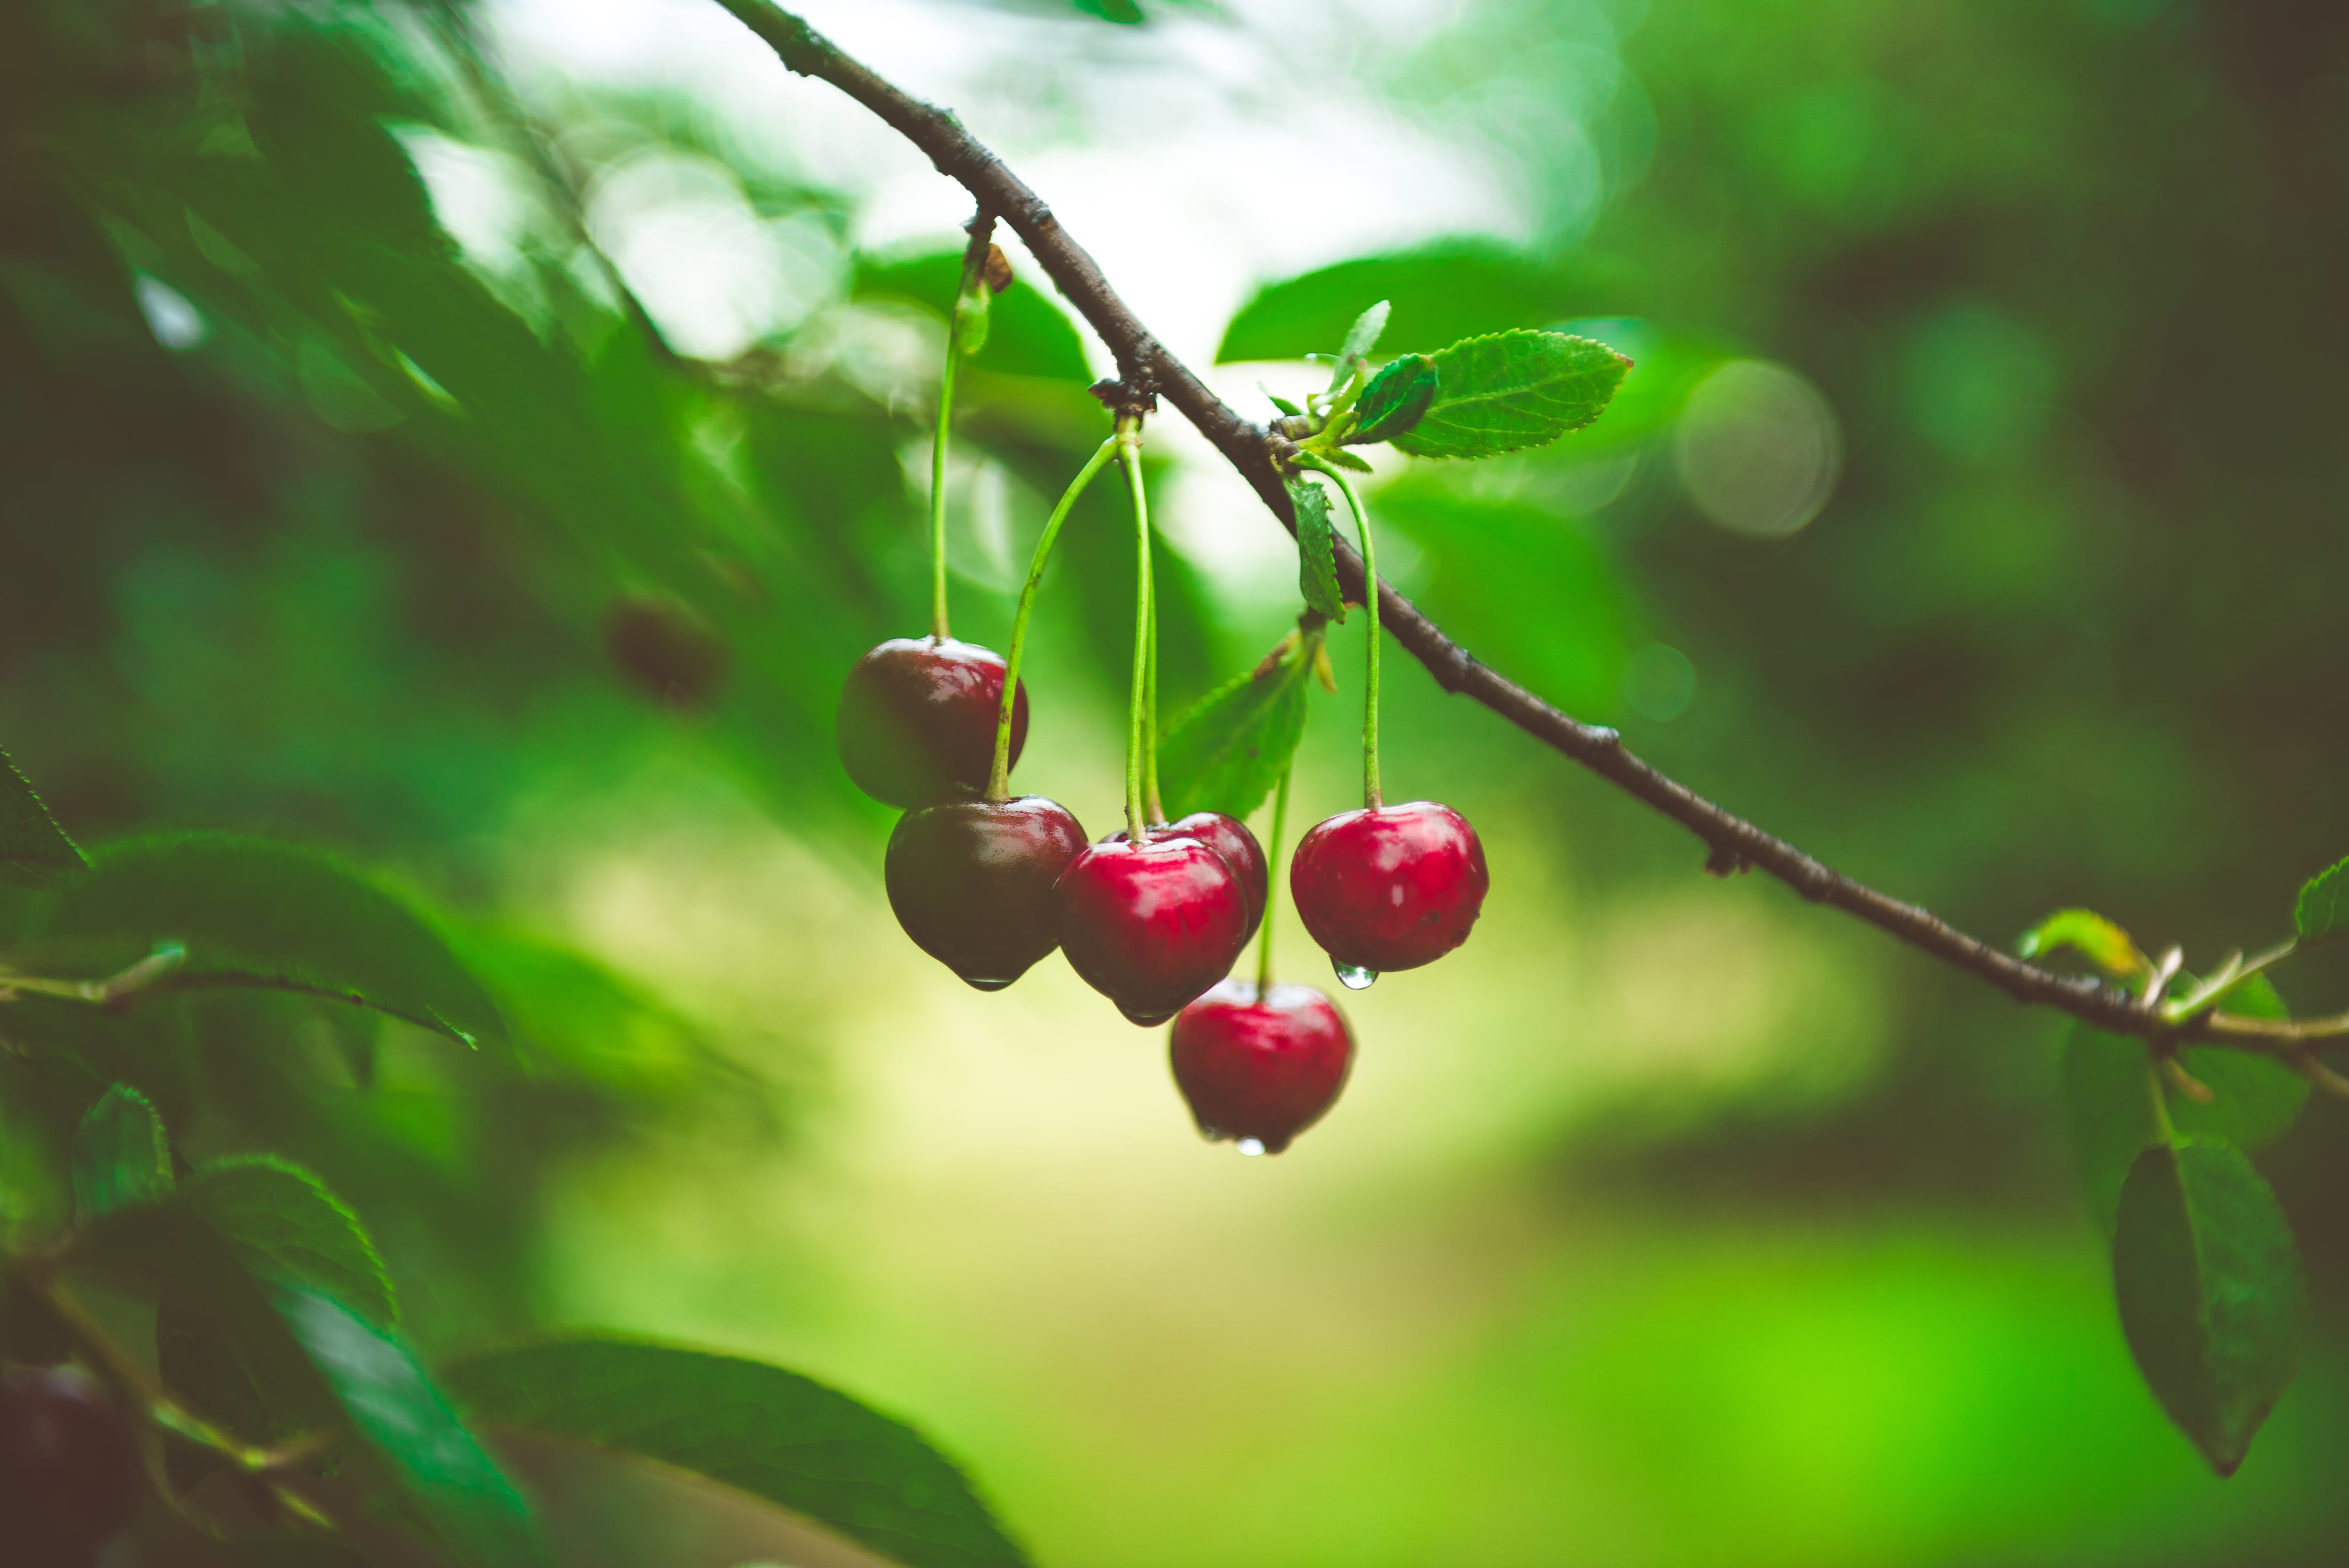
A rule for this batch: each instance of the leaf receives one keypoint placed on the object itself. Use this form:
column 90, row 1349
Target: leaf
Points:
column 455, row 1485
column 1338, row 458
column 285, row 1227
column 2211, row 1293
column 1227, row 752
column 34, row 850
column 2323, row 906
column 771, row 1433
column 2102, row 943
column 1317, row 557
column 252, row 911
column 119, row 1154
column 1396, row 400
column 2109, row 1098
column 1441, row 293
column 1361, row 339
column 1513, row 390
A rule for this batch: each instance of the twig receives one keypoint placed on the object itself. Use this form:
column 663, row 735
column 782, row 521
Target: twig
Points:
column 1729, row 840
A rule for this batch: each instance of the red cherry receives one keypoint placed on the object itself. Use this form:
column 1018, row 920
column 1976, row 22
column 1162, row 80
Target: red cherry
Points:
column 916, row 719
column 1389, row 887
column 1150, row 927
column 1228, row 837
column 972, row 882
column 69, row 1471
column 1260, row 1072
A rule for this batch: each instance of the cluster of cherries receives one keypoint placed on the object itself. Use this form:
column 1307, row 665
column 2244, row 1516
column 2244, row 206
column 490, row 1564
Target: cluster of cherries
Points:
column 69, row 1470
column 990, row 886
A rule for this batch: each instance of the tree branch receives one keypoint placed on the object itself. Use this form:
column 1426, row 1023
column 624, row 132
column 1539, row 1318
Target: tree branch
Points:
column 1733, row 843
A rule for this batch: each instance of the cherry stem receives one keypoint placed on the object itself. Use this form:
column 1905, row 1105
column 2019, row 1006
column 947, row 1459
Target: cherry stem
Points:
column 1272, row 863
column 1129, row 445
column 998, row 777
column 1150, row 800
column 974, row 263
column 1371, row 796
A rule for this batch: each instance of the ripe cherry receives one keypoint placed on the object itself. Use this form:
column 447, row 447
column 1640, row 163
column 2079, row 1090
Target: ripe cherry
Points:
column 1228, row 837
column 1260, row 1070
column 1152, row 925
column 973, row 881
column 1389, row 887
column 917, row 719
column 69, row 1471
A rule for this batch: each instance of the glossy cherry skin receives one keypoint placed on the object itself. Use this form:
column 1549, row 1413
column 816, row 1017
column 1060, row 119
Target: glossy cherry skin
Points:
column 916, row 720
column 1390, row 888
column 1152, row 927
column 1228, row 837
column 69, row 1470
column 972, row 882
column 1260, row 1070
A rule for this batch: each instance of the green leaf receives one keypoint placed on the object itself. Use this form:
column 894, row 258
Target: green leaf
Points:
column 1227, row 752
column 2255, row 1098
column 771, row 1433
column 285, row 1227
column 1361, row 339
column 2211, row 1293
column 119, row 1154
column 454, row 1484
column 1317, row 558
column 2323, row 906
column 252, row 911
column 1441, row 293
column 1513, row 390
column 34, row 850
column 2102, row 943
column 1396, row 400
column 1337, row 457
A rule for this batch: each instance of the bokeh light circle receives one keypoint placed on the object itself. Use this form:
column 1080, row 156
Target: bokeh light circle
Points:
column 1759, row 448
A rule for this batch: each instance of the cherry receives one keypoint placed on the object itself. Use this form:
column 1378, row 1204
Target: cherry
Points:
column 1260, row 1070
column 1228, row 837
column 69, row 1471
column 1152, row 925
column 972, row 882
column 917, row 719
column 673, row 654
column 1389, row 887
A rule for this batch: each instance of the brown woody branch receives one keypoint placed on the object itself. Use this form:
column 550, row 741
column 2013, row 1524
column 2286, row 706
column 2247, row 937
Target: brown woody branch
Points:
column 1732, row 843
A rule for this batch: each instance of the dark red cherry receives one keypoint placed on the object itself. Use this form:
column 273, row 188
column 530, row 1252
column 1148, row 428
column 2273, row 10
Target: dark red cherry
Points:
column 972, row 882
column 1150, row 927
column 1259, row 1071
column 1228, row 837
column 1390, row 887
column 917, row 720
column 69, row 1472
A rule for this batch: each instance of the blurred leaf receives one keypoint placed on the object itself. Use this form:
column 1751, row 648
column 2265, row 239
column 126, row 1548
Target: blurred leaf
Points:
column 2255, row 1098
column 1513, row 390
column 1227, row 752
column 379, row 1381
column 573, row 1018
column 1396, row 400
column 2323, row 906
column 2211, row 1293
column 1026, row 335
column 285, row 1227
column 1338, row 458
column 34, row 850
column 2101, row 942
column 252, row 911
column 1438, row 294
column 2108, row 1101
column 1361, row 339
column 1317, row 558
column 1125, row 11
column 771, row 1433
column 119, row 1154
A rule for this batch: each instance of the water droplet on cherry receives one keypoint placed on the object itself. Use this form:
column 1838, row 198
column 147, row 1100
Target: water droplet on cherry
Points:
column 1249, row 1146
column 1353, row 976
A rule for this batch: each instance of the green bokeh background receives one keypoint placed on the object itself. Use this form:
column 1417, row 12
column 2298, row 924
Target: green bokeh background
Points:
column 1669, row 1221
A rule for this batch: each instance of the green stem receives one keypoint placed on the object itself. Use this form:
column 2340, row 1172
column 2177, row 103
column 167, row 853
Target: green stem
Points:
column 1371, row 796
column 938, row 481
column 2160, row 1100
column 1129, row 443
column 998, row 779
column 1272, row 860
column 1150, row 800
